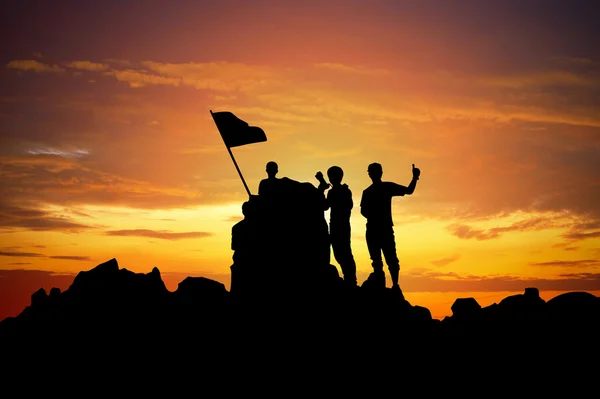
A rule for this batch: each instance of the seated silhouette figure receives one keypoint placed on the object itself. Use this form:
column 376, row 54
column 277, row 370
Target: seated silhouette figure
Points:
column 339, row 201
column 244, row 244
column 271, row 184
column 376, row 207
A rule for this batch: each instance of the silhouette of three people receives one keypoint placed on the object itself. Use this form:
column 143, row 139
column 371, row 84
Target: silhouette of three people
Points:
column 376, row 207
column 276, row 195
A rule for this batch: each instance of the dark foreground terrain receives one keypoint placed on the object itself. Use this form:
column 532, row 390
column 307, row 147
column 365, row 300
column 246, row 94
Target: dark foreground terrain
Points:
column 114, row 319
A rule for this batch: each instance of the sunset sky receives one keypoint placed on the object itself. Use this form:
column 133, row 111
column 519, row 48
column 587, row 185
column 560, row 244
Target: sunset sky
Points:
column 108, row 149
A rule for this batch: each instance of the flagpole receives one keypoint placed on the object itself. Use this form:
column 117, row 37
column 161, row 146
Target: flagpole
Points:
column 232, row 158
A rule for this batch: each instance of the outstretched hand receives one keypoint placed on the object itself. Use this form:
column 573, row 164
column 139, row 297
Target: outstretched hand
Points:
column 416, row 172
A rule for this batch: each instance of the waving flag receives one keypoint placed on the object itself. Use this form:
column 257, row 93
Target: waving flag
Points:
column 236, row 132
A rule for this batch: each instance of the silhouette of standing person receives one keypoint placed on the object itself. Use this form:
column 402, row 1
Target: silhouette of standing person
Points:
column 376, row 207
column 339, row 200
column 269, row 186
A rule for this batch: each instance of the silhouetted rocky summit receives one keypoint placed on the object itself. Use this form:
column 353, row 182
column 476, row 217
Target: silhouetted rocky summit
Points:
column 287, row 307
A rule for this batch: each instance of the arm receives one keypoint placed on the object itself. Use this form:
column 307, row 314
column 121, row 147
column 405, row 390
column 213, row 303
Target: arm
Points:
column 399, row 190
column 323, row 185
column 364, row 207
column 411, row 187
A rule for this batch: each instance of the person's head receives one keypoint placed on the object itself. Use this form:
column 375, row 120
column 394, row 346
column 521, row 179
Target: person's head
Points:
column 246, row 208
column 335, row 174
column 272, row 169
column 250, row 207
column 375, row 171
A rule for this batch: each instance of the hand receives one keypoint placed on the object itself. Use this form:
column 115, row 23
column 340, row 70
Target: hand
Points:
column 416, row 172
column 323, row 183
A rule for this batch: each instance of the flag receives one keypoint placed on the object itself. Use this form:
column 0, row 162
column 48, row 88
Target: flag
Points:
column 235, row 132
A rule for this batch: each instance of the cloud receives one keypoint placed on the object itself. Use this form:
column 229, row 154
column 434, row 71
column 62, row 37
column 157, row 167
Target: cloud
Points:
column 36, row 219
column 579, row 231
column 515, row 138
column 542, row 79
column 425, row 280
column 66, row 181
column 21, row 254
column 467, row 232
column 60, row 153
column 47, row 224
column 38, row 255
column 445, row 261
column 20, row 263
column 87, row 65
column 581, row 235
column 162, row 234
column 71, row 257
column 568, row 263
column 353, row 69
column 424, row 93
column 33, row 66
column 137, row 79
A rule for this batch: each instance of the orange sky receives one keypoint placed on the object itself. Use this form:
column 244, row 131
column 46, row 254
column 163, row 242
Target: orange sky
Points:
column 108, row 149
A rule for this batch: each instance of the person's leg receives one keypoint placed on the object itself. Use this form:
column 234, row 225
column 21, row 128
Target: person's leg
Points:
column 343, row 255
column 374, row 245
column 388, row 247
column 377, row 278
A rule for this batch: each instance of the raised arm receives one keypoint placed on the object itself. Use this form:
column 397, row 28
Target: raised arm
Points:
column 323, row 185
column 399, row 190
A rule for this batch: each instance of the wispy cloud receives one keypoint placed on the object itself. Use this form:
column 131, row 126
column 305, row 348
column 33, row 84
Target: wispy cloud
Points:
column 568, row 263
column 61, row 153
column 71, row 257
column 353, row 69
column 162, row 234
column 425, row 280
column 21, row 254
column 33, row 66
column 445, row 261
column 36, row 219
column 467, row 232
column 87, row 65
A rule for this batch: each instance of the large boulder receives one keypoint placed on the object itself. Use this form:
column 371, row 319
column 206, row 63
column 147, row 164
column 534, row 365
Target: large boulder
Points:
column 282, row 243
